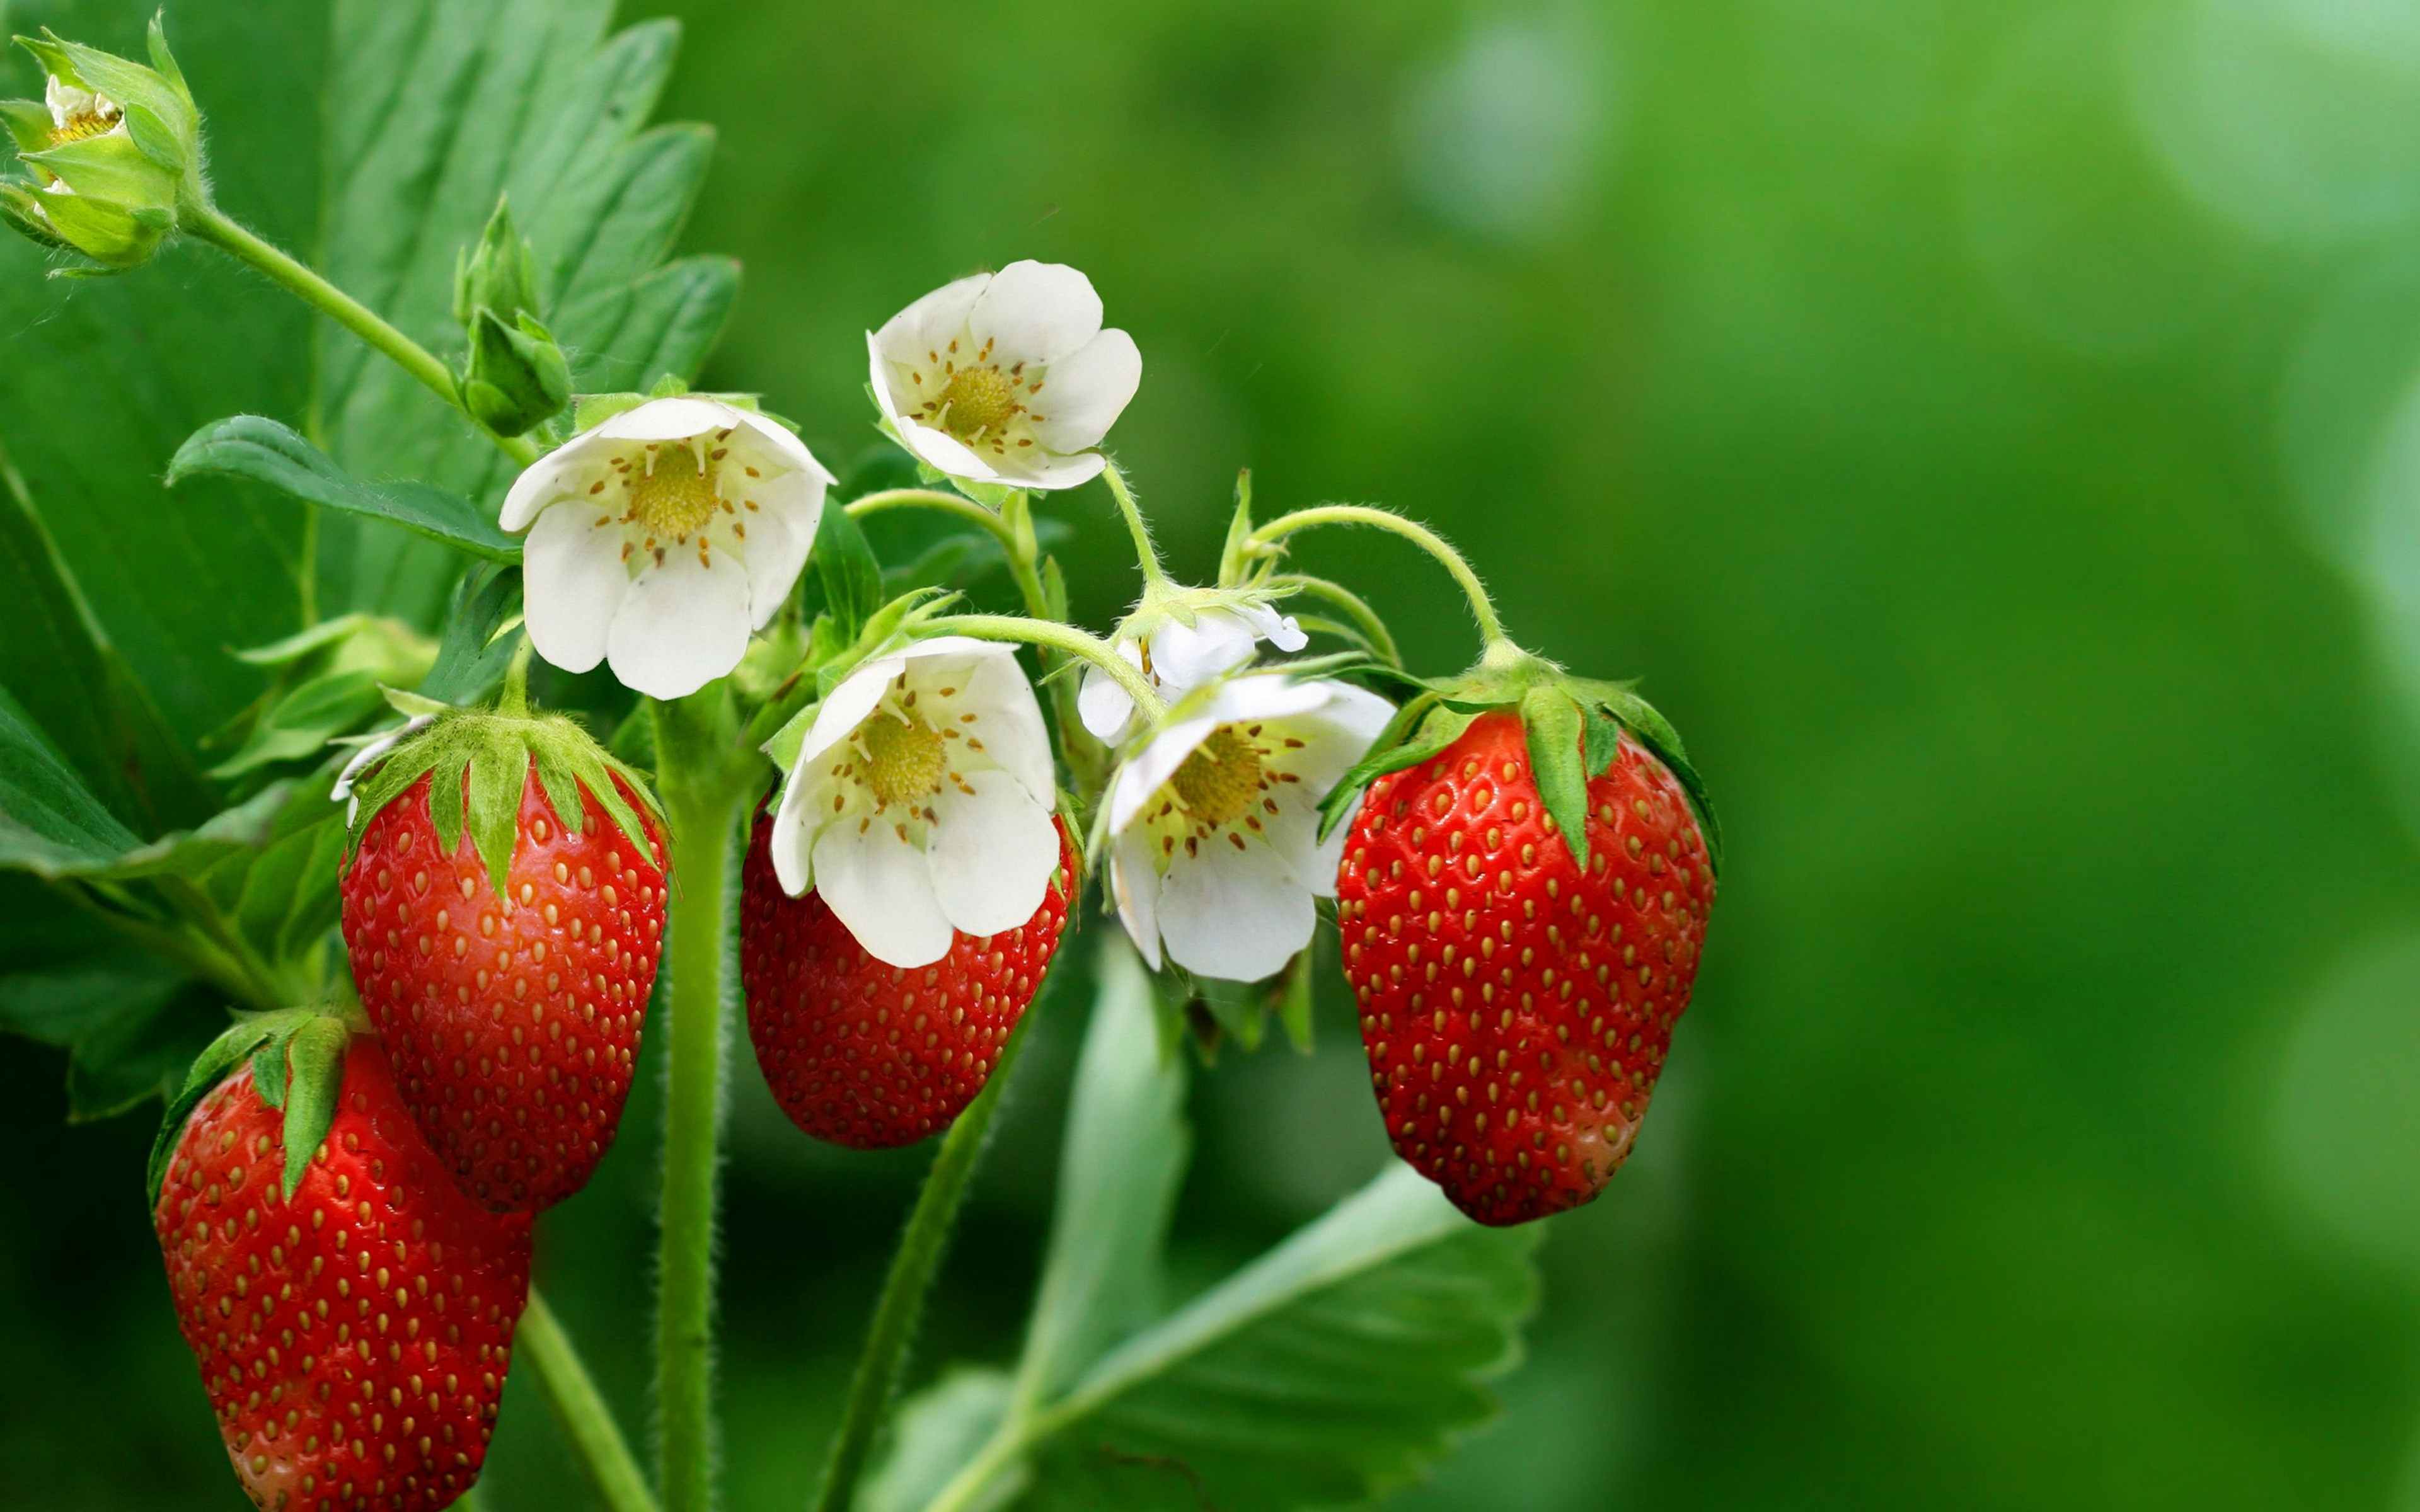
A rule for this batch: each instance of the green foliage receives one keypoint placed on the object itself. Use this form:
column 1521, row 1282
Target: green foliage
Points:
column 1329, row 1371
column 248, row 446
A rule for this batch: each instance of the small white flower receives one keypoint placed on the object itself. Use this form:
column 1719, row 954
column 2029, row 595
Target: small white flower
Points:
column 1214, row 842
column 343, row 792
column 921, row 804
column 659, row 540
column 79, row 114
column 1007, row 378
column 1179, row 657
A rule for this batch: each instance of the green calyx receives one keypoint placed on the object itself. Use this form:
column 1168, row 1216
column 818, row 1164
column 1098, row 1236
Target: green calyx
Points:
column 113, row 178
column 478, row 761
column 1574, row 725
column 515, row 376
column 298, row 1067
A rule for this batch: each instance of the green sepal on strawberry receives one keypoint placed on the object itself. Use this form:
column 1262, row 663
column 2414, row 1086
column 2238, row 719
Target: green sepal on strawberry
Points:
column 1522, row 904
column 352, row 1312
column 504, row 896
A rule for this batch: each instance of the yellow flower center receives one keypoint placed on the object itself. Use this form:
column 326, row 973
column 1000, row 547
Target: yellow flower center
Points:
column 903, row 758
column 977, row 400
column 677, row 497
column 1219, row 780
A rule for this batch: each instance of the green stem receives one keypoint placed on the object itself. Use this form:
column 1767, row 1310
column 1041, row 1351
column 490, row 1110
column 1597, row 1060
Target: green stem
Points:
column 1146, row 554
column 1056, row 636
column 582, row 1411
column 912, row 1268
column 300, row 281
column 1483, row 609
column 706, row 791
column 953, row 505
column 1381, row 639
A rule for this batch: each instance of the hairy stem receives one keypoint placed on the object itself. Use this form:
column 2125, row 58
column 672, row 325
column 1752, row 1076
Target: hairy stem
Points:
column 705, row 793
column 298, row 278
column 1356, row 608
column 1146, row 554
column 585, row 1418
column 956, row 505
column 912, row 1268
column 1483, row 609
column 1058, row 637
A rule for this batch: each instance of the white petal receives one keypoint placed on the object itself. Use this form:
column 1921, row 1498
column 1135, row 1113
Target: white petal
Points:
column 1101, row 703
column 1135, row 884
column 1184, row 657
column 548, row 479
column 946, row 452
column 845, row 707
column 669, row 420
column 1035, row 313
column 785, row 448
column 1153, row 766
column 1338, row 734
column 1010, row 720
column 682, row 626
column 1239, row 915
column 802, row 807
column 573, row 585
column 930, row 323
column 1265, row 696
column 882, row 377
column 1084, row 392
column 992, row 853
column 1046, row 473
column 772, row 555
column 1278, row 630
column 880, row 888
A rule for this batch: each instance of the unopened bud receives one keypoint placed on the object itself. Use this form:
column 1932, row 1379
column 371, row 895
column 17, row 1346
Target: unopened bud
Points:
column 515, row 376
column 115, row 148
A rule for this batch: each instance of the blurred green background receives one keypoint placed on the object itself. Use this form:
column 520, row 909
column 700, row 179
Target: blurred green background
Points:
column 1994, row 434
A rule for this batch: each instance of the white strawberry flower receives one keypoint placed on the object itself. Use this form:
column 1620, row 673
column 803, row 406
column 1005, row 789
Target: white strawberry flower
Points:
column 1214, row 824
column 921, row 804
column 1180, row 657
column 661, row 538
column 1007, row 378
column 79, row 115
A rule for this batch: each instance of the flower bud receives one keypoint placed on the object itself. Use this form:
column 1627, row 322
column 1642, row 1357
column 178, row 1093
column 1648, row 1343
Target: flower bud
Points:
column 515, row 375
column 116, row 150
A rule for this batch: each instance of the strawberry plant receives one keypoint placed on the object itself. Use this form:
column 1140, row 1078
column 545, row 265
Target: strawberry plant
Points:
column 573, row 721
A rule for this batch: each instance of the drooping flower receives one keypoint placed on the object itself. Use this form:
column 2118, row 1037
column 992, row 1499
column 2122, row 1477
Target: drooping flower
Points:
column 1180, row 657
column 921, row 803
column 1215, row 848
column 1007, row 378
column 661, row 538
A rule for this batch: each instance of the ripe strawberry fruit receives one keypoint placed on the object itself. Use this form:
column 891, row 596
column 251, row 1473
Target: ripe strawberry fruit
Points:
column 354, row 1328
column 873, row 1056
column 1517, row 1002
column 505, row 958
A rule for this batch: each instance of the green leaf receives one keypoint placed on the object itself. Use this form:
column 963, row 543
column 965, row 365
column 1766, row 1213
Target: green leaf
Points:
column 77, row 687
column 1296, row 997
column 50, row 822
column 317, row 1057
column 475, row 650
column 848, row 577
column 934, row 1432
column 129, row 1029
column 1332, row 1370
column 248, row 446
column 1551, row 722
column 105, row 378
column 435, row 109
column 302, row 723
column 1126, row 1153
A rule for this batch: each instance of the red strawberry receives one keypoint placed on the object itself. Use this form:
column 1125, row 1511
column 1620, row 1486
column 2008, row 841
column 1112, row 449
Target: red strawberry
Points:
column 512, row 1012
column 353, row 1338
column 871, row 1056
column 1517, row 1008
